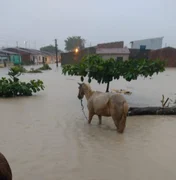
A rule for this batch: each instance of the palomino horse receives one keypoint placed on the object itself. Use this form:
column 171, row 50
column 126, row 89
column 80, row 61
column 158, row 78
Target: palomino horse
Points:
column 5, row 170
column 105, row 104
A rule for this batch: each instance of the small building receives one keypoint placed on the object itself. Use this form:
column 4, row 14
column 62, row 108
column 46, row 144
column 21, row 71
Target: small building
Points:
column 76, row 57
column 50, row 58
column 139, row 54
column 3, row 60
column 151, row 43
column 115, row 53
column 12, row 57
column 25, row 55
column 116, row 44
column 29, row 56
column 167, row 54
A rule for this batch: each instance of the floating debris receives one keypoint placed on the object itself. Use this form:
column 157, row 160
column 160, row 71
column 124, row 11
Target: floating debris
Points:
column 122, row 91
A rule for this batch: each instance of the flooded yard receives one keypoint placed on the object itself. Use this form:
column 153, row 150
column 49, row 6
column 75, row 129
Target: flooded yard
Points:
column 46, row 136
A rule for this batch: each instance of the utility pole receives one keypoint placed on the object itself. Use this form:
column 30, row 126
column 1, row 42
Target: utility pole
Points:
column 17, row 44
column 56, row 52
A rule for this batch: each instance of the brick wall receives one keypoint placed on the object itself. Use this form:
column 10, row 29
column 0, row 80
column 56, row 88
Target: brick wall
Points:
column 167, row 54
column 73, row 58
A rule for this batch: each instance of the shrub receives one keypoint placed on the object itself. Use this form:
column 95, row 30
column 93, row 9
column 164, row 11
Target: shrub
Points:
column 32, row 70
column 45, row 67
column 11, row 87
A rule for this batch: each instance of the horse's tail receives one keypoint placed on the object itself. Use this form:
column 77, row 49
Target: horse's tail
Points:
column 122, row 123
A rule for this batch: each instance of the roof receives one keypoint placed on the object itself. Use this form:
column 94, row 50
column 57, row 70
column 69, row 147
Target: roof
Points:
column 164, row 48
column 3, row 55
column 17, row 49
column 112, row 51
column 147, row 39
column 117, row 44
column 47, row 53
column 6, row 52
column 32, row 51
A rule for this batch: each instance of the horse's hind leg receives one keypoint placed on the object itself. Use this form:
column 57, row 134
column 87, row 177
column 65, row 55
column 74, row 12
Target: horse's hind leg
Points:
column 90, row 117
column 116, row 115
column 100, row 119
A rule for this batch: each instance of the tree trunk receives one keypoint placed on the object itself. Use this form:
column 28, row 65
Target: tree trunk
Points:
column 107, row 87
column 152, row 111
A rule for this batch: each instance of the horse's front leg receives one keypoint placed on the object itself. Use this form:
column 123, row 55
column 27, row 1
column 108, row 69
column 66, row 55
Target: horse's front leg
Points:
column 100, row 119
column 91, row 114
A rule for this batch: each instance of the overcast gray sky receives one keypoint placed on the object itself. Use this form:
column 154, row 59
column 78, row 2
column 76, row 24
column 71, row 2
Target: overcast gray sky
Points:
column 97, row 21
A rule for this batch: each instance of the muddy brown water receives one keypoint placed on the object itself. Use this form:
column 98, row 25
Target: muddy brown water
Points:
column 46, row 137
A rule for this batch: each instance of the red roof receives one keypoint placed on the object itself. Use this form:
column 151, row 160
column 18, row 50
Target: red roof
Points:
column 119, row 44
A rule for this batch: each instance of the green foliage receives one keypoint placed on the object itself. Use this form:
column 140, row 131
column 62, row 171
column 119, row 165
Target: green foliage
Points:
column 11, row 87
column 45, row 67
column 18, row 68
column 49, row 48
column 74, row 42
column 32, row 70
column 104, row 71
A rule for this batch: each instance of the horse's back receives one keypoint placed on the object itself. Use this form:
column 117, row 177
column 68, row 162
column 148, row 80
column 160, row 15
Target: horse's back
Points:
column 101, row 100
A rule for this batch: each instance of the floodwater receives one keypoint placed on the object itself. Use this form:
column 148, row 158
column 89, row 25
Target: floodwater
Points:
column 45, row 137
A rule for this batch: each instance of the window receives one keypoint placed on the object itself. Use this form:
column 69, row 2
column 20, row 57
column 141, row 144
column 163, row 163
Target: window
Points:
column 142, row 47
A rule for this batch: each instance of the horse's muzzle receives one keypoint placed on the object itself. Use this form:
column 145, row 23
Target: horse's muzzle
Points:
column 79, row 97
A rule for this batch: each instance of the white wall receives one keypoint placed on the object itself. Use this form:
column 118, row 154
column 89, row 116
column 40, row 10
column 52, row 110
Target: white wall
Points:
column 155, row 43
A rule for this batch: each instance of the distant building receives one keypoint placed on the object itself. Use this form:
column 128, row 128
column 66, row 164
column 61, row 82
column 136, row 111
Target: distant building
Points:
column 115, row 50
column 167, row 54
column 139, row 54
column 10, row 57
column 3, row 58
column 33, row 56
column 115, row 53
column 152, row 43
column 117, row 44
column 75, row 58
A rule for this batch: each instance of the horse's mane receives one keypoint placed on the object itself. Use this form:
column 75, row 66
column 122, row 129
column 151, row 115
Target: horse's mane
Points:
column 88, row 86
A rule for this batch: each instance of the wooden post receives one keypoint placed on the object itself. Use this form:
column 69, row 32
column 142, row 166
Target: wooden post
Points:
column 56, row 52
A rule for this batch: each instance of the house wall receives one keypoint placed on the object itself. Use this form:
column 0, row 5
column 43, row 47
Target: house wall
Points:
column 50, row 59
column 108, row 56
column 37, row 59
column 138, row 54
column 154, row 43
column 2, row 59
column 74, row 58
column 15, row 59
column 25, row 57
column 165, row 54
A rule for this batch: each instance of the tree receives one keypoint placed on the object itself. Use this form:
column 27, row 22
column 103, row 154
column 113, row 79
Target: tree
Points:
column 104, row 71
column 49, row 48
column 74, row 42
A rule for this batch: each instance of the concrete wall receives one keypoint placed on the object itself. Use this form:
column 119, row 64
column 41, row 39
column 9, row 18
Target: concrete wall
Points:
column 154, row 43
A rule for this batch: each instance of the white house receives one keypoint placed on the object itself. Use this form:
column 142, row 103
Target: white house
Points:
column 152, row 43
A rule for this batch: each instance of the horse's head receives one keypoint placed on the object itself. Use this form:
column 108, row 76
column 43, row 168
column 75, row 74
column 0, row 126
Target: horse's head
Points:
column 81, row 91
